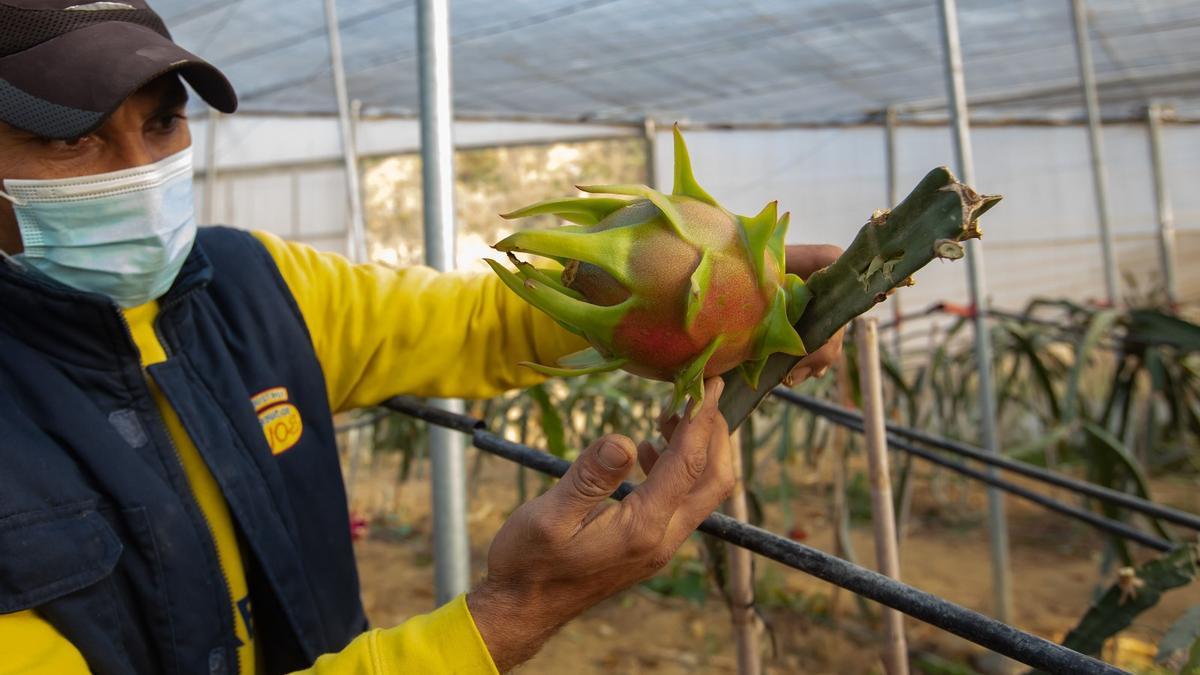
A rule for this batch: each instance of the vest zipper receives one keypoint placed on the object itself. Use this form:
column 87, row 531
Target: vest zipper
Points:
column 212, row 539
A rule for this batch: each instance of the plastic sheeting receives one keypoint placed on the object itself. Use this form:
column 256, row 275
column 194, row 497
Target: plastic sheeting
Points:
column 1040, row 241
column 715, row 61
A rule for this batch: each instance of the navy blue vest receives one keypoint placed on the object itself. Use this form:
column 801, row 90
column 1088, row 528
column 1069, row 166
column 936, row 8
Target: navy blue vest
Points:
column 99, row 531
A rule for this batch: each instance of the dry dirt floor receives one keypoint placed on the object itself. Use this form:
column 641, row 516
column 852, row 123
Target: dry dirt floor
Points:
column 813, row 628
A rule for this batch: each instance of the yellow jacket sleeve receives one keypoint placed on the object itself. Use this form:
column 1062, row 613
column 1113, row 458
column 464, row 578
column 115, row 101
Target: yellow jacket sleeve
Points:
column 380, row 332
column 444, row 641
column 30, row 645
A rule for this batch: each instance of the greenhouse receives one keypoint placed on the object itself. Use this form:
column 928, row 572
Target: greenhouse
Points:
column 957, row 423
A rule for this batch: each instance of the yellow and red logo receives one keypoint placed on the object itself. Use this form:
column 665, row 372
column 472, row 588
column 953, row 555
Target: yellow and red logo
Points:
column 280, row 419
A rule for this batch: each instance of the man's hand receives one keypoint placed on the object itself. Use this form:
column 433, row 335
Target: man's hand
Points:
column 569, row 549
column 803, row 261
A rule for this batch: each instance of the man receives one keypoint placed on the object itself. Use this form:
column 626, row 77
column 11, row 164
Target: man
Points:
column 170, row 496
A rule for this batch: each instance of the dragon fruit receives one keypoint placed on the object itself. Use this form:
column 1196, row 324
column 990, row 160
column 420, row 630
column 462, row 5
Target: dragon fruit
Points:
column 669, row 287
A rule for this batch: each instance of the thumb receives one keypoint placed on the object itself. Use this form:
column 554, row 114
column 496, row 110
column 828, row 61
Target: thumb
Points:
column 595, row 475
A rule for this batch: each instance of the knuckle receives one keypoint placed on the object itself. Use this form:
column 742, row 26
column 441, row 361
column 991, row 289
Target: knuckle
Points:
column 644, row 539
column 694, row 464
column 589, row 482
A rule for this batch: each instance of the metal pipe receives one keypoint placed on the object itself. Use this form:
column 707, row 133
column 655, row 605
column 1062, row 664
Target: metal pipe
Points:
column 883, row 516
column 1087, row 78
column 1162, row 203
column 353, row 234
column 965, row 623
column 210, row 167
column 893, row 198
column 357, row 231
column 997, row 523
column 1105, row 494
column 451, row 551
column 1107, row 525
column 649, row 133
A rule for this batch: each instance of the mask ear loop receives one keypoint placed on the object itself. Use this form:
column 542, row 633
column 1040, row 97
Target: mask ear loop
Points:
column 13, row 262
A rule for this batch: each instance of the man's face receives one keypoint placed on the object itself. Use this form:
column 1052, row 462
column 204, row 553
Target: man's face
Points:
column 148, row 127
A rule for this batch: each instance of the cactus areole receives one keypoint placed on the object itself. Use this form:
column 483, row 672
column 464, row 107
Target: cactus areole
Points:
column 670, row 287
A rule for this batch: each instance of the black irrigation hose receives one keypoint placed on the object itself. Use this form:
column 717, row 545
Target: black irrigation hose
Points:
column 1115, row 527
column 359, row 422
column 965, row 623
column 1123, row 499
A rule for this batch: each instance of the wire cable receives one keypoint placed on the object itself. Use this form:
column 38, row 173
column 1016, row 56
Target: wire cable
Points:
column 1123, row 499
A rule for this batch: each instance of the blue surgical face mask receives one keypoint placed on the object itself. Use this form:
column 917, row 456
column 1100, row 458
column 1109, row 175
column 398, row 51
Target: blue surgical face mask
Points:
column 123, row 234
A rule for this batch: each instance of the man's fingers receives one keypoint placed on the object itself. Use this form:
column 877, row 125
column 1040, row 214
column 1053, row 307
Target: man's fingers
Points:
column 667, row 422
column 708, row 492
column 803, row 260
column 595, row 475
column 686, row 457
column 816, row 363
column 647, row 456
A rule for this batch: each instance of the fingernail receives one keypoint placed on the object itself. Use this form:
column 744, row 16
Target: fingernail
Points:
column 799, row 375
column 821, row 372
column 718, row 386
column 613, row 457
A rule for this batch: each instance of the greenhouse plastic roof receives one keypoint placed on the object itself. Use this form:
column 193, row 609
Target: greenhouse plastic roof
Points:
column 705, row 61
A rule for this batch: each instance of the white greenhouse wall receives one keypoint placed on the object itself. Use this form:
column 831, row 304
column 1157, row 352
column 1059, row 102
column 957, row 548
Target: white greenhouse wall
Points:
column 284, row 175
column 1040, row 241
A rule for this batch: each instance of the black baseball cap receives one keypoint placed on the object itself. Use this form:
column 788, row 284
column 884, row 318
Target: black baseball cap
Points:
column 66, row 65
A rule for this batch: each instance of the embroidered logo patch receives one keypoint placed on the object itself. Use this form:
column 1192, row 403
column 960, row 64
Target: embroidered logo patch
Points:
column 280, row 419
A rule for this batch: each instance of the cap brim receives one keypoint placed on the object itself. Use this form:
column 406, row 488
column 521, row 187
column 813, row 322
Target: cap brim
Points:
column 68, row 86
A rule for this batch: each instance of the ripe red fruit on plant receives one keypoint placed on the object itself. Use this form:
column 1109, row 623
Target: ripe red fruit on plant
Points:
column 670, row 287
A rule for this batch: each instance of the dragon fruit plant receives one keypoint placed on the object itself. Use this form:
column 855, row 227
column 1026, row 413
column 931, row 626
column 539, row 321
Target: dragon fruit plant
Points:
column 669, row 287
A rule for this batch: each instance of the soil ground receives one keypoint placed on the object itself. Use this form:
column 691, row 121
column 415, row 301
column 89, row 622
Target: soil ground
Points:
column 815, row 628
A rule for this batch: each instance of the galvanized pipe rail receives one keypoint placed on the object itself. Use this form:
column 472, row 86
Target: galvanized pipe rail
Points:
column 968, row 624
column 1116, row 497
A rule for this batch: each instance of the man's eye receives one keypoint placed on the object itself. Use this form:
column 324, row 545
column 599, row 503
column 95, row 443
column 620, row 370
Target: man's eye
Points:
column 170, row 122
column 67, row 144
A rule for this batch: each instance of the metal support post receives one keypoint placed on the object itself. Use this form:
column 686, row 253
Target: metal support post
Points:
column 889, row 139
column 451, row 551
column 1087, row 77
column 357, row 231
column 649, row 131
column 997, row 522
column 208, row 211
column 1162, row 203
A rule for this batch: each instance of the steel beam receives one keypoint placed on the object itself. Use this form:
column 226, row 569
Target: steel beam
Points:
column 208, row 210
column 893, row 198
column 1087, row 79
column 451, row 551
column 649, row 132
column 997, row 522
column 1162, row 203
column 357, row 235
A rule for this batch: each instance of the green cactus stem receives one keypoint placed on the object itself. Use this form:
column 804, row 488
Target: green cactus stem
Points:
column 938, row 214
